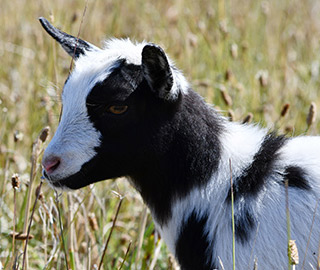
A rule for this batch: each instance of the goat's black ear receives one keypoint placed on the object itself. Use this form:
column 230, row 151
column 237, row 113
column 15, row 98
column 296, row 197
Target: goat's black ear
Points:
column 72, row 45
column 156, row 70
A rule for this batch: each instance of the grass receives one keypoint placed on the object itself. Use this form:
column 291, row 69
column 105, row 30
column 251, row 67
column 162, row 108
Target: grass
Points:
column 247, row 57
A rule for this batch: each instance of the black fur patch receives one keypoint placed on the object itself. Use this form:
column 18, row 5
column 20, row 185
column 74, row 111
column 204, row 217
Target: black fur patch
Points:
column 253, row 177
column 296, row 177
column 192, row 245
column 250, row 182
column 245, row 222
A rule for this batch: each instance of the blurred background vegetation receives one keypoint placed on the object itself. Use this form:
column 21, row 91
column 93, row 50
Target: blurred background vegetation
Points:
column 250, row 58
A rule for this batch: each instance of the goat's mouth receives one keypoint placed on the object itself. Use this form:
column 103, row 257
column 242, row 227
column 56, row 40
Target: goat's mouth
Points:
column 75, row 181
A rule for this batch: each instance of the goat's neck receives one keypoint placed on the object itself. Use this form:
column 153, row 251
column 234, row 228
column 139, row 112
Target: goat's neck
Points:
column 192, row 155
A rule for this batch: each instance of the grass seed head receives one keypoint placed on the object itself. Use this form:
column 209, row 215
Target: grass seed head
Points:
column 285, row 109
column 228, row 75
column 18, row 136
column 15, row 181
column 234, row 50
column 293, row 252
column 44, row 134
column 223, row 27
column 226, row 97
column 289, row 129
column 39, row 193
column 311, row 117
column 93, row 222
column 21, row 236
column 192, row 40
column 263, row 77
column 244, row 46
column 231, row 115
column 248, row 118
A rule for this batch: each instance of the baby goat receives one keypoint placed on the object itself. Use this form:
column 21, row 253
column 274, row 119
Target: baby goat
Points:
column 128, row 111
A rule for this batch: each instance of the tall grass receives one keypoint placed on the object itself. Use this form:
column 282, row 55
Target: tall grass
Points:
column 262, row 54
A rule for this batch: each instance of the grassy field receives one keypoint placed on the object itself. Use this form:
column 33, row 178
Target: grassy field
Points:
column 248, row 57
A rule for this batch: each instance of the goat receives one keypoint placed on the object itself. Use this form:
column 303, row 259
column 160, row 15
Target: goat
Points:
column 128, row 111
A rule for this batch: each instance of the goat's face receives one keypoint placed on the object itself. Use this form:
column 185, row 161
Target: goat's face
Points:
column 113, row 102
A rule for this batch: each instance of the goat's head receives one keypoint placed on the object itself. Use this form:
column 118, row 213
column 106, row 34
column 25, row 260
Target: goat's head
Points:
column 113, row 102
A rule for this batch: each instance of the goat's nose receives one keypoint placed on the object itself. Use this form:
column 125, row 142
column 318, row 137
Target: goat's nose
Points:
column 50, row 164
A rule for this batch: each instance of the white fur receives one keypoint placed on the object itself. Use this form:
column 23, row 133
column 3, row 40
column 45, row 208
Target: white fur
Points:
column 269, row 241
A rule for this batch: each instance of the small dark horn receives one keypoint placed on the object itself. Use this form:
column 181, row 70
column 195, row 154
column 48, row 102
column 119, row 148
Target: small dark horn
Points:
column 72, row 45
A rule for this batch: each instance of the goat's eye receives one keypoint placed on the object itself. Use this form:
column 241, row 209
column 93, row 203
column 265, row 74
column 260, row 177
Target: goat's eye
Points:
column 118, row 109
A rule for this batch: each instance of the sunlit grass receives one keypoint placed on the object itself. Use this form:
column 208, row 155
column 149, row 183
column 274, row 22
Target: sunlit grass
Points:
column 262, row 54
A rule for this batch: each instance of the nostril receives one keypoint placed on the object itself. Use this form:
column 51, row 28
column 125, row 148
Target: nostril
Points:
column 51, row 164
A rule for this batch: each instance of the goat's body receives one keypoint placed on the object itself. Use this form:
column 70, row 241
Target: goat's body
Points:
column 260, row 217
column 181, row 156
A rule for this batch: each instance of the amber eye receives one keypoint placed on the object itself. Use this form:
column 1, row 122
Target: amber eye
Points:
column 117, row 109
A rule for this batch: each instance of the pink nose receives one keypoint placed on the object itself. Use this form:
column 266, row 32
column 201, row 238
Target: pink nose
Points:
column 50, row 164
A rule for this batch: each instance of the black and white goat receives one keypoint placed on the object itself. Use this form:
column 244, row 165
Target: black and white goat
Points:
column 127, row 111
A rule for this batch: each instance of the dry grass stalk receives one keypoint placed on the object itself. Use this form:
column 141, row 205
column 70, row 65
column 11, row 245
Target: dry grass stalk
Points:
column 61, row 230
column 15, row 181
column 71, row 231
column 126, row 255
column 313, row 219
column 36, row 151
column 172, row 263
column 142, row 228
column 28, row 232
column 221, row 263
column 109, row 237
column 318, row 261
column 289, row 243
column 252, row 250
column 39, row 194
column 232, row 217
column 75, row 48
column 255, row 264
column 156, row 254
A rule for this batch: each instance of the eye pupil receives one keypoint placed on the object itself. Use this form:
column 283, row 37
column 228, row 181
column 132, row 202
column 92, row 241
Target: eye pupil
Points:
column 118, row 109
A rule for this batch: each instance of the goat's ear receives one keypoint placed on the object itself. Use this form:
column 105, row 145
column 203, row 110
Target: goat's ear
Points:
column 72, row 45
column 157, row 71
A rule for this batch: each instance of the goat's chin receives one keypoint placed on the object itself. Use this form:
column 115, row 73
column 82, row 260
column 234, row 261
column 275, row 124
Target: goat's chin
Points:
column 72, row 182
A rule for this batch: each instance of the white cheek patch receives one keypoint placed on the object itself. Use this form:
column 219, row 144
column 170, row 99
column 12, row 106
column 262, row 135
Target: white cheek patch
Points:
column 74, row 141
column 76, row 138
